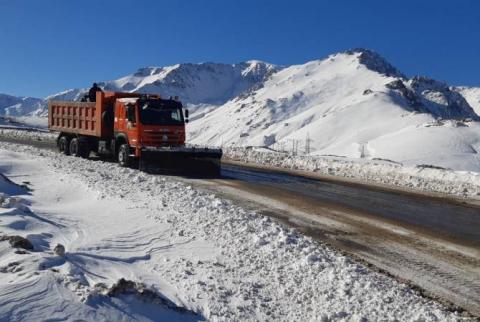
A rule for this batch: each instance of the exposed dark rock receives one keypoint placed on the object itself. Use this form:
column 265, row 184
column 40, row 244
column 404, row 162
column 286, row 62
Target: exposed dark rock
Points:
column 59, row 250
column 422, row 82
column 18, row 242
column 396, row 84
column 413, row 100
column 375, row 62
column 441, row 100
column 367, row 91
column 12, row 267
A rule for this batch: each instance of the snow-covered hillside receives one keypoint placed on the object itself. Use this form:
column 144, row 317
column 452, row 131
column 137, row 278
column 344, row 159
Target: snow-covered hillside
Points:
column 352, row 104
column 74, row 94
column 195, row 83
column 472, row 95
column 205, row 83
column 19, row 106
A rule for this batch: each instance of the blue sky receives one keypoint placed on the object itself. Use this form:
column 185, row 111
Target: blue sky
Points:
column 51, row 45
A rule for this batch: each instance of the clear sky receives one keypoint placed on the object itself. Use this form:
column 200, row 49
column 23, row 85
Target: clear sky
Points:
column 50, row 45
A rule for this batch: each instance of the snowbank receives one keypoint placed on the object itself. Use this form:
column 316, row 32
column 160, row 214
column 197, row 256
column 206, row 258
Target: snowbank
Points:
column 423, row 177
column 426, row 177
column 205, row 253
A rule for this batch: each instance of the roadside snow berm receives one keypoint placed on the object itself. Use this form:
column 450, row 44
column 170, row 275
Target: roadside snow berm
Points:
column 135, row 129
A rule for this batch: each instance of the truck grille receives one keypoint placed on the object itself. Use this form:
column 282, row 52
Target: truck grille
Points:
column 161, row 138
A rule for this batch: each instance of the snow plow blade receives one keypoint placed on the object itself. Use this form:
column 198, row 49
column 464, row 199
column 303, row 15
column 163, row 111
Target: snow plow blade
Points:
column 182, row 160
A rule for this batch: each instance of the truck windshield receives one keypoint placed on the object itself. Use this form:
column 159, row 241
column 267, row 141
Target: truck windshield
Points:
column 160, row 114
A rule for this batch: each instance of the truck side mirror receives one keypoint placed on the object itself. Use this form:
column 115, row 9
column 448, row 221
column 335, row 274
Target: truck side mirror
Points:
column 186, row 113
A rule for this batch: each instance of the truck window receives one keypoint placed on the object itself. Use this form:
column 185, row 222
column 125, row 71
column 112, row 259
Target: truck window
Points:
column 161, row 116
column 130, row 113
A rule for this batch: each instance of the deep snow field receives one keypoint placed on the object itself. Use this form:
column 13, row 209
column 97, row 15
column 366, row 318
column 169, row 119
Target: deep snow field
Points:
column 187, row 248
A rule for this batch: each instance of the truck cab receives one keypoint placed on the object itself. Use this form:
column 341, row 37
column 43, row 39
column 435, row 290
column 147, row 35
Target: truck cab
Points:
column 149, row 122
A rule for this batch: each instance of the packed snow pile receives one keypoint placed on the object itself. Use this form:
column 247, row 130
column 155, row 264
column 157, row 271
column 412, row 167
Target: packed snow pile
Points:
column 189, row 247
column 424, row 177
column 26, row 134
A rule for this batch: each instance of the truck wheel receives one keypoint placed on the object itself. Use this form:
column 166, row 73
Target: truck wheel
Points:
column 64, row 145
column 74, row 147
column 83, row 148
column 79, row 148
column 123, row 156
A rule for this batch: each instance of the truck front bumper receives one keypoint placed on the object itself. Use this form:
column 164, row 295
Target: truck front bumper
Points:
column 181, row 159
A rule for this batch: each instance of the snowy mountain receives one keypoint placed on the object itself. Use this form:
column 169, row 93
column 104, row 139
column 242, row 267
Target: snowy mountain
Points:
column 17, row 106
column 352, row 104
column 201, row 86
column 75, row 94
column 205, row 83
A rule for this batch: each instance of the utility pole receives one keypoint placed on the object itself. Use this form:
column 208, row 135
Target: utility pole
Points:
column 294, row 146
column 307, row 144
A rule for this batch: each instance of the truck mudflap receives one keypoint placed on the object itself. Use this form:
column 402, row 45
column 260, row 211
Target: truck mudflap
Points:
column 181, row 160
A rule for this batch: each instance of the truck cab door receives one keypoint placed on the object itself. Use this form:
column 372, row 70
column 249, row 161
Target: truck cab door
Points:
column 131, row 125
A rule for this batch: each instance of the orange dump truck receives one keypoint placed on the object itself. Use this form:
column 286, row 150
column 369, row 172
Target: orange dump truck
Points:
column 135, row 129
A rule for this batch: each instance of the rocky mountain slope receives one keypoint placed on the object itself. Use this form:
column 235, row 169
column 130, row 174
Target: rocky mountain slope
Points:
column 206, row 83
column 19, row 106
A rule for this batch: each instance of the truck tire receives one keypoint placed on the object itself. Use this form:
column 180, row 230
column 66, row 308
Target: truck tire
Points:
column 123, row 156
column 74, row 147
column 64, row 145
column 79, row 148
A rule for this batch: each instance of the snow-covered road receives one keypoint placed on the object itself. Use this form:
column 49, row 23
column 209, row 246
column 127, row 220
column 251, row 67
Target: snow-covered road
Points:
column 199, row 251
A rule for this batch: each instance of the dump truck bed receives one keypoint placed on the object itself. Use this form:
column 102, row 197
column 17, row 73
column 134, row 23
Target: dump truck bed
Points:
column 84, row 118
column 74, row 117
